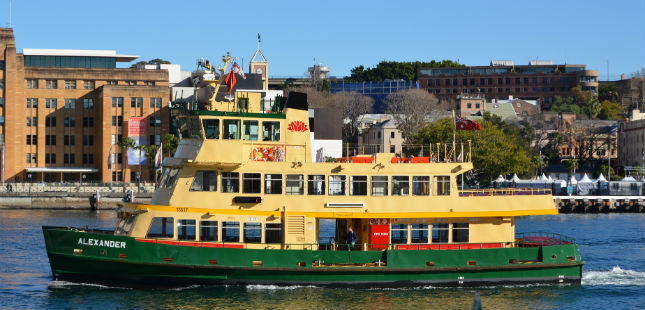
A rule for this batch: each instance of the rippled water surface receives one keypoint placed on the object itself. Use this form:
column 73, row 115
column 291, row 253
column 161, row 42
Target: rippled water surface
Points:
column 612, row 245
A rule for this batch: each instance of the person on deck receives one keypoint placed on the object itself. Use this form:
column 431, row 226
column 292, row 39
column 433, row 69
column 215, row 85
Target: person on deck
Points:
column 351, row 238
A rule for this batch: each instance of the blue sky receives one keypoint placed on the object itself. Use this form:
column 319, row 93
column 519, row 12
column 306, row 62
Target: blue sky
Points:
column 342, row 34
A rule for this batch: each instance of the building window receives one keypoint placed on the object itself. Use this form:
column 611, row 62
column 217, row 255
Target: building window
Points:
column 88, row 140
column 295, row 184
column 32, row 102
column 399, row 233
column 379, row 185
column 358, row 185
column 230, row 231
column 273, row 184
column 204, row 181
column 70, row 84
column 88, row 103
column 400, row 185
column 460, row 232
column 51, row 103
column 270, row 131
column 230, row 182
column 272, row 233
column 186, row 230
column 316, row 184
column 50, row 121
column 252, row 232
column 32, row 83
column 419, row 233
column 155, row 102
column 477, row 105
column 1, row 102
column 136, row 102
column 88, row 122
column 117, row 102
column 50, row 139
column 70, row 103
column 442, row 185
column 88, row 84
column 421, row 185
column 131, row 83
column 337, row 185
column 32, row 140
column 112, row 82
column 69, row 121
column 439, row 233
column 251, row 183
column 69, row 158
column 161, row 227
column 148, row 83
column 208, row 231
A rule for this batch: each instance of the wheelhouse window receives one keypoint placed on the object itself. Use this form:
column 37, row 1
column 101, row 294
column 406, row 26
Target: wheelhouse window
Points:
column 358, row 185
column 270, row 131
column 337, row 185
column 460, row 232
column 272, row 233
column 231, row 129
column 251, row 183
column 195, row 129
column 205, row 181
column 273, row 184
column 186, row 230
column 399, row 233
column 182, row 127
column 419, row 233
column 439, row 233
column 169, row 178
column 400, row 185
column 161, row 227
column 379, row 185
column 230, row 231
column 295, row 184
column 253, row 232
column 211, row 128
column 421, row 185
column 230, row 182
column 316, row 184
column 208, row 230
column 251, row 130
column 442, row 185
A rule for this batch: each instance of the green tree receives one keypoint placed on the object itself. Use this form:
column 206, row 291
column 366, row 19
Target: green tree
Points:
column 564, row 104
column 156, row 61
column 611, row 110
column 395, row 70
column 170, row 143
column 325, row 86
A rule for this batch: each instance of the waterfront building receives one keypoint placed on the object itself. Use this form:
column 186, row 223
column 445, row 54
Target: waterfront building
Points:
column 62, row 113
column 631, row 136
column 539, row 80
column 376, row 90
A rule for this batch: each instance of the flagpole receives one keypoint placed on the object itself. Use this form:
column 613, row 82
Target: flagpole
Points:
column 454, row 136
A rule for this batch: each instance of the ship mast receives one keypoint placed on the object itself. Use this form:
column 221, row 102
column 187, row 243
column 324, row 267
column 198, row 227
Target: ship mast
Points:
column 216, row 83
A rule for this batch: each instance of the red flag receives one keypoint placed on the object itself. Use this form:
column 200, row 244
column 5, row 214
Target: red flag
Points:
column 230, row 81
column 466, row 124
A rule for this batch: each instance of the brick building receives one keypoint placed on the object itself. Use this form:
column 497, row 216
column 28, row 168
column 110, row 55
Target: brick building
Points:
column 539, row 80
column 63, row 111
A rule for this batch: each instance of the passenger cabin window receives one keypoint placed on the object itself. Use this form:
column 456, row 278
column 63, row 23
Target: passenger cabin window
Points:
column 205, row 181
column 379, row 185
column 295, row 184
column 186, row 230
column 358, row 185
column 182, row 127
column 442, row 185
column 230, row 231
column 273, row 184
column 400, row 185
column 231, row 129
column 337, row 185
column 208, row 230
column 161, row 227
column 251, row 130
column 439, row 233
column 460, row 232
column 421, row 185
column 419, row 233
column 272, row 233
column 399, row 233
column 253, row 232
column 230, row 182
column 270, row 131
column 251, row 183
column 211, row 128
column 316, row 185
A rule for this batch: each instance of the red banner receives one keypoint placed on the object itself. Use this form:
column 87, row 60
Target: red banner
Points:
column 137, row 126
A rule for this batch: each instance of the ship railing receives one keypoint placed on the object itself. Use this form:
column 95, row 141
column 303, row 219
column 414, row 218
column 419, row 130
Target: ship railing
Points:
column 407, row 153
column 398, row 246
column 504, row 192
column 535, row 239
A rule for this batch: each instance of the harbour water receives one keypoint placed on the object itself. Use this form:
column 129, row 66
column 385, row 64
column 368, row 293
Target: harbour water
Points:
column 613, row 245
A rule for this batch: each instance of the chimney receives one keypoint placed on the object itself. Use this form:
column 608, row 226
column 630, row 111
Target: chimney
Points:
column 622, row 76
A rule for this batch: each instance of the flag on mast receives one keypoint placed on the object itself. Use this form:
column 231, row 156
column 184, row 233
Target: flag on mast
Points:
column 238, row 70
column 230, row 81
column 466, row 124
column 159, row 157
column 109, row 159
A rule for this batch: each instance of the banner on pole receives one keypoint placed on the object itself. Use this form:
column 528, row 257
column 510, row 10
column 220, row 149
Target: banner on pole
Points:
column 137, row 131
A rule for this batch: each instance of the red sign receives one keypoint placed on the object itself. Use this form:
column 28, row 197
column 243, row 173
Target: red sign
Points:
column 298, row 126
column 137, row 126
column 379, row 236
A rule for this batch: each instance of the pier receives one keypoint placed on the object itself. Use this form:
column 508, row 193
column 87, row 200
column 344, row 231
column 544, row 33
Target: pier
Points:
column 600, row 204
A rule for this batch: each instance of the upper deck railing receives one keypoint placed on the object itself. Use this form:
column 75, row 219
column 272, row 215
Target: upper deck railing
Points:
column 431, row 153
column 504, row 192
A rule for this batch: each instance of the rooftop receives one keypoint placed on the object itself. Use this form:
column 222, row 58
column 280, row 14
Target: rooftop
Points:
column 78, row 53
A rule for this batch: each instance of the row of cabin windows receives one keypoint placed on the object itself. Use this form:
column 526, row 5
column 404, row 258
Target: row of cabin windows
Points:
column 421, row 233
column 230, row 129
column 337, row 184
column 163, row 227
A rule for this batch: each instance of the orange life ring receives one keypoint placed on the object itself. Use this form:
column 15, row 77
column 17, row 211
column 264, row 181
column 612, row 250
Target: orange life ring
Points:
column 259, row 154
column 270, row 156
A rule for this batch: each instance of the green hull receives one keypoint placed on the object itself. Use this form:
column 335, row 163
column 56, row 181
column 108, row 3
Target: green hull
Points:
column 105, row 258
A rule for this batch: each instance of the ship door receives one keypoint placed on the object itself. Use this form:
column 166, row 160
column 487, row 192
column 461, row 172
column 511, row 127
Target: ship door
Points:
column 379, row 233
column 341, row 230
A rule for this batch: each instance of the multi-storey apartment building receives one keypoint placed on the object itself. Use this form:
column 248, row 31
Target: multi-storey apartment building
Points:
column 538, row 80
column 62, row 113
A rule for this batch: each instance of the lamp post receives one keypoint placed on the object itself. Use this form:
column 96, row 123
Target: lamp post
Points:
column 84, row 177
column 29, row 178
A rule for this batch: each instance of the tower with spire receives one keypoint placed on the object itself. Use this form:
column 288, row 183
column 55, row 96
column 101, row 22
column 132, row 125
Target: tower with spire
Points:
column 260, row 65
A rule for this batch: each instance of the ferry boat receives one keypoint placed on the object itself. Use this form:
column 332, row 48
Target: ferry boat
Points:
column 242, row 202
